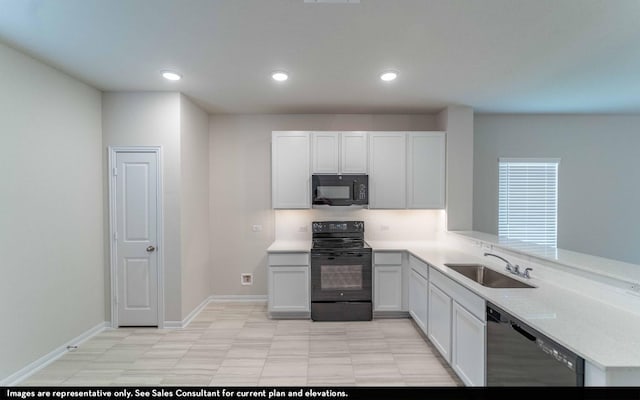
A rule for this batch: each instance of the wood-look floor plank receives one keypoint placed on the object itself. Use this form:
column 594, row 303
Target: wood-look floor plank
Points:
column 236, row 344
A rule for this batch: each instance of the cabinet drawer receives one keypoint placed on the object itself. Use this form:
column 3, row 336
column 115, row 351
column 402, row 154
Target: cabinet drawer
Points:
column 387, row 258
column 419, row 266
column 289, row 259
column 463, row 296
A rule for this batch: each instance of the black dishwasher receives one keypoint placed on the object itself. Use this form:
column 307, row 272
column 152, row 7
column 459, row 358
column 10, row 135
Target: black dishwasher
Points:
column 518, row 355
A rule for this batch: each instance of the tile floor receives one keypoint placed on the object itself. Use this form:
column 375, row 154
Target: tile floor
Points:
column 236, row 344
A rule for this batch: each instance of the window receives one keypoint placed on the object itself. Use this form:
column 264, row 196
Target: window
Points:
column 528, row 200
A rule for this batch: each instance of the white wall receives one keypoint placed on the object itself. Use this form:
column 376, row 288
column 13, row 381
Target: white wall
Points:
column 387, row 225
column 194, row 156
column 151, row 119
column 598, row 176
column 51, row 225
column 240, row 176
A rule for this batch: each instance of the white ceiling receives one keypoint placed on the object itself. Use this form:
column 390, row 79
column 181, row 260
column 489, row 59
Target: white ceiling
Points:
column 529, row 56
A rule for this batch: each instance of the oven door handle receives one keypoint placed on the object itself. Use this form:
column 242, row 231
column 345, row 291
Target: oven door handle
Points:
column 327, row 256
column 332, row 256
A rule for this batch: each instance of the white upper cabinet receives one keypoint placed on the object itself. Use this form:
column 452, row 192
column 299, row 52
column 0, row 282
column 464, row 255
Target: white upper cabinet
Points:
column 387, row 170
column 325, row 152
column 406, row 169
column 339, row 152
column 290, row 170
column 353, row 154
column 425, row 169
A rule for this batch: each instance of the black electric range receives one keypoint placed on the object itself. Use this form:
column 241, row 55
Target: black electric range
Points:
column 341, row 272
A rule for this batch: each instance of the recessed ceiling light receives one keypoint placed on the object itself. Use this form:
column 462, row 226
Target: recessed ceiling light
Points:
column 172, row 76
column 280, row 76
column 388, row 76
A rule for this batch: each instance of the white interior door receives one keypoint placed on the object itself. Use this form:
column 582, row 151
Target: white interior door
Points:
column 136, row 238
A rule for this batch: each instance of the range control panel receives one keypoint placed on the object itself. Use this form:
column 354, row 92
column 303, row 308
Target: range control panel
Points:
column 337, row 226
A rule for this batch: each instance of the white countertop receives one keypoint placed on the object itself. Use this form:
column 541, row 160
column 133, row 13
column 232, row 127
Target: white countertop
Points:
column 605, row 335
column 606, row 267
column 290, row 246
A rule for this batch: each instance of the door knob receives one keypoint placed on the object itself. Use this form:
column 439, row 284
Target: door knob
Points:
column 150, row 249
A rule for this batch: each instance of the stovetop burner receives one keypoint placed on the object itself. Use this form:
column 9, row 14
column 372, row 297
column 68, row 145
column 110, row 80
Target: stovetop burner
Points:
column 339, row 244
column 338, row 235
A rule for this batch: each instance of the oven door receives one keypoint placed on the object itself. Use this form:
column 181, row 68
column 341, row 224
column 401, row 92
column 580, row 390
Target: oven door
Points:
column 340, row 276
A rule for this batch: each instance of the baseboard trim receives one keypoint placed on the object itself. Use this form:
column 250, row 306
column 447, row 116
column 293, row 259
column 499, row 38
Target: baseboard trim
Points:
column 228, row 298
column 37, row 365
column 390, row 314
column 187, row 320
column 172, row 325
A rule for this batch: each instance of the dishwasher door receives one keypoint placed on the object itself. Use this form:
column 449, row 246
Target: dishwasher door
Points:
column 518, row 355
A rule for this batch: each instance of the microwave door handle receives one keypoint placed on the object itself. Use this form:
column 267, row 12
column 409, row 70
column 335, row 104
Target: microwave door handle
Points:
column 354, row 191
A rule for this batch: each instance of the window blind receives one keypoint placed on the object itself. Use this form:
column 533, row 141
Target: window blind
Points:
column 528, row 200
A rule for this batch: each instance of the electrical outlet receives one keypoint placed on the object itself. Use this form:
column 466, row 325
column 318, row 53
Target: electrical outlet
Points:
column 246, row 279
column 384, row 227
column 256, row 228
column 302, row 229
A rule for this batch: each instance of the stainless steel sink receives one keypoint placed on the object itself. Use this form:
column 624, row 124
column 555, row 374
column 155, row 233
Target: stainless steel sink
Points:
column 487, row 276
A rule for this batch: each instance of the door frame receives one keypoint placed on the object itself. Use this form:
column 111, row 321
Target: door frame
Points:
column 113, row 249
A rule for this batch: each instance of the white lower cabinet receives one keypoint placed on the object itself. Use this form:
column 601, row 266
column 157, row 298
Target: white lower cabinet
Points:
column 388, row 282
column 418, row 299
column 457, row 326
column 289, row 285
column 439, row 325
column 387, row 288
column 596, row 376
column 468, row 341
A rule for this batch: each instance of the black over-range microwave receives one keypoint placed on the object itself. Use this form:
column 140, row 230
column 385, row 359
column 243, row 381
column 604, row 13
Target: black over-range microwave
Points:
column 340, row 190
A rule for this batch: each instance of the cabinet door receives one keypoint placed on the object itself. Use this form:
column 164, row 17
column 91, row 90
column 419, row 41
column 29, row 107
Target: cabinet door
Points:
column 418, row 299
column 290, row 167
column 426, row 170
column 439, row 321
column 353, row 158
column 387, row 170
column 387, row 288
column 325, row 152
column 289, row 289
column 467, row 354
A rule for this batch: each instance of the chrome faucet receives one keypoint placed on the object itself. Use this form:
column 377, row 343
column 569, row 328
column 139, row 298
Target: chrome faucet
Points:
column 510, row 267
column 514, row 269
